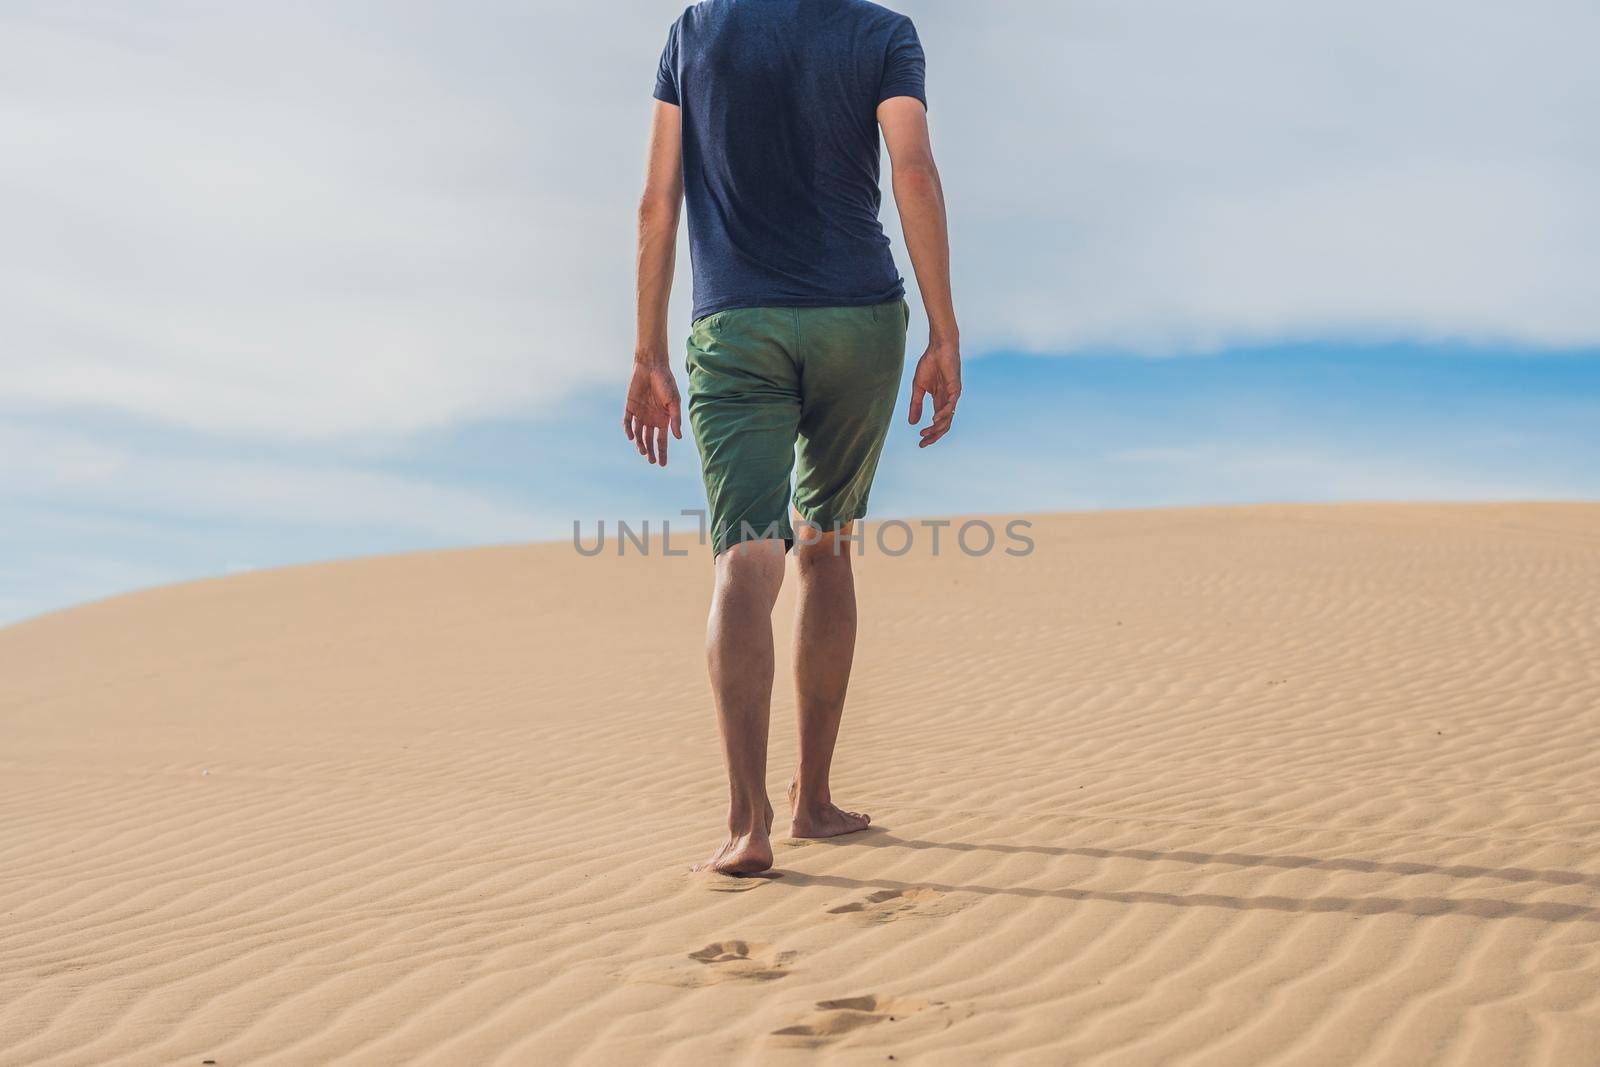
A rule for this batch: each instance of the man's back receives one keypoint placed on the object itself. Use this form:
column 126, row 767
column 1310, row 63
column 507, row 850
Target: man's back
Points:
column 780, row 147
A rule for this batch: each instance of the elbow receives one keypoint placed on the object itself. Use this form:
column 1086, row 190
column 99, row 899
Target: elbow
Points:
column 916, row 181
column 657, row 212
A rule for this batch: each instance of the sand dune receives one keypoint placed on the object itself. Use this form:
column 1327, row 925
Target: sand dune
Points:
column 1298, row 785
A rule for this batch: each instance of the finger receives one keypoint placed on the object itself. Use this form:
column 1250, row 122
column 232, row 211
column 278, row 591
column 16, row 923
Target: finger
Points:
column 661, row 444
column 650, row 442
column 640, row 432
column 935, row 430
column 676, row 413
column 917, row 393
column 627, row 424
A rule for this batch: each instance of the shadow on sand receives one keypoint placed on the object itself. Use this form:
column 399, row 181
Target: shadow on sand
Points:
column 1474, row 907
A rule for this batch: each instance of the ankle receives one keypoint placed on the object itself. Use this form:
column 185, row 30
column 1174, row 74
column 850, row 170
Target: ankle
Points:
column 809, row 799
column 746, row 818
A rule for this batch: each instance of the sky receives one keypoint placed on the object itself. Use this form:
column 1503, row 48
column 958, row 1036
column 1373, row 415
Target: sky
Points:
column 336, row 278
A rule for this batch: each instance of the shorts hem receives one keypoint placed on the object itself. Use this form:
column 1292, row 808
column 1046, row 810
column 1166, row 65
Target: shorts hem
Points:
column 832, row 523
column 720, row 543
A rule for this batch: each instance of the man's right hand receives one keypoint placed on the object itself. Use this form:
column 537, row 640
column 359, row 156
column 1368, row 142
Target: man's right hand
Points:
column 939, row 376
column 651, row 409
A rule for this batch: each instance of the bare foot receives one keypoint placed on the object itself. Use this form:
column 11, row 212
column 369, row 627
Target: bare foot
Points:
column 822, row 820
column 749, row 853
column 746, row 853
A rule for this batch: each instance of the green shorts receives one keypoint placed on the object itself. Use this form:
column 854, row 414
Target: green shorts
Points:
column 763, row 381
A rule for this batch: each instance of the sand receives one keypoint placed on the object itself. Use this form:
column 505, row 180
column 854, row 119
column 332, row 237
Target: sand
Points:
column 1277, row 785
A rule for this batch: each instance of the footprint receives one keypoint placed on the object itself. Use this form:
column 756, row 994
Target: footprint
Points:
column 833, row 1019
column 756, row 961
column 722, row 961
column 883, row 905
column 731, row 883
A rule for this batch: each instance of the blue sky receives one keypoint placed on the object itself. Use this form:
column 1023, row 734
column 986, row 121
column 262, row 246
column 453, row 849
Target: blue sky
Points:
column 356, row 280
column 1296, row 423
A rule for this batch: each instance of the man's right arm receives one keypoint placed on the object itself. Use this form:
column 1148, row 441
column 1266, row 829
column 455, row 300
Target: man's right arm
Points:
column 652, row 407
column 920, row 200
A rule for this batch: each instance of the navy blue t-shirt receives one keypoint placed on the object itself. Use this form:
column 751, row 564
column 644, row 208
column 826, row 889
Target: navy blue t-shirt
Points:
column 780, row 147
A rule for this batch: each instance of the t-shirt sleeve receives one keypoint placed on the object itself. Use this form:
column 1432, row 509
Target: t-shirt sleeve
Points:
column 904, row 65
column 667, row 70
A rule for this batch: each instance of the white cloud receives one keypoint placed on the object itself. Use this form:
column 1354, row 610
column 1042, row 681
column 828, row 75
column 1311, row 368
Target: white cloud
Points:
column 1172, row 176
column 334, row 219
column 68, row 469
column 316, row 220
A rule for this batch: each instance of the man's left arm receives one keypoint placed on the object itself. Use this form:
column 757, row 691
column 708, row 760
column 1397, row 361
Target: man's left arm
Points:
column 652, row 407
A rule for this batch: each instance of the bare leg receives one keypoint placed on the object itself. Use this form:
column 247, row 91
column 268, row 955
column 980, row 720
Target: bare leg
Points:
column 824, row 647
column 739, row 656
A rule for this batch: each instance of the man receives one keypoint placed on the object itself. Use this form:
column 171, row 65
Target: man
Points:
column 766, row 122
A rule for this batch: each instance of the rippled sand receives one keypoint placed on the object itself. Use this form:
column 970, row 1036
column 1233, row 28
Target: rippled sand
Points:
column 1288, row 785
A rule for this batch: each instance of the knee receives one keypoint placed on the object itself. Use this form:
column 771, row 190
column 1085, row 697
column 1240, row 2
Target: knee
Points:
column 827, row 556
column 751, row 568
